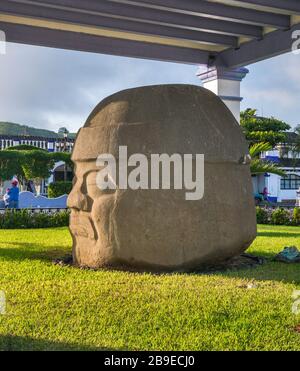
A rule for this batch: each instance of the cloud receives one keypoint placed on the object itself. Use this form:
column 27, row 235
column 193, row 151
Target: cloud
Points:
column 273, row 87
column 49, row 88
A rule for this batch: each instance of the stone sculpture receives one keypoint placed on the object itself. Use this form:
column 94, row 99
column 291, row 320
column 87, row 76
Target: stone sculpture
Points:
column 159, row 229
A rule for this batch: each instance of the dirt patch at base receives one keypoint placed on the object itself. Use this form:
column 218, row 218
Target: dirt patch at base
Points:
column 239, row 262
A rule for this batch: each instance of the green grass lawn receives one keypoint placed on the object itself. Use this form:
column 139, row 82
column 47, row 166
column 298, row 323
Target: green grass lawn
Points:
column 54, row 307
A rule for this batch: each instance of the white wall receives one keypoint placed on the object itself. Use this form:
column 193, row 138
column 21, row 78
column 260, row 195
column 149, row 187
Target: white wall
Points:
column 273, row 185
column 227, row 88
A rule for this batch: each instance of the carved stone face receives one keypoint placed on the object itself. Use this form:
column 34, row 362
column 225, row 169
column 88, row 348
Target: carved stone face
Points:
column 160, row 229
column 90, row 216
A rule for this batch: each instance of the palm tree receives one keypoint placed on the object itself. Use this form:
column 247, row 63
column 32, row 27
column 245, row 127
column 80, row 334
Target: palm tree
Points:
column 259, row 166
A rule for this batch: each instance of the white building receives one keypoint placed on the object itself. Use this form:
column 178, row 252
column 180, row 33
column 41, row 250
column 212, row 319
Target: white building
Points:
column 280, row 189
column 48, row 144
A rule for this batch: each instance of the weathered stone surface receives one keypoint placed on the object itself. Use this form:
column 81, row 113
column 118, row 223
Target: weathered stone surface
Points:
column 160, row 229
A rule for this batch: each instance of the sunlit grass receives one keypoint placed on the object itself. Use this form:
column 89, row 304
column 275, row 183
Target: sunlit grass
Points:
column 54, row 307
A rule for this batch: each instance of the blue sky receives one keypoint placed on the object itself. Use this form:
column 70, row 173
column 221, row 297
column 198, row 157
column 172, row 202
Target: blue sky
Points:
column 50, row 88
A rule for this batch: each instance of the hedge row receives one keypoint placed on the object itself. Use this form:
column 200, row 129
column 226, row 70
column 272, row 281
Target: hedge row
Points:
column 21, row 219
column 278, row 216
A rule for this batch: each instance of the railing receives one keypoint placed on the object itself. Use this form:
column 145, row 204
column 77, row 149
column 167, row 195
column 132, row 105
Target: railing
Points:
column 46, row 210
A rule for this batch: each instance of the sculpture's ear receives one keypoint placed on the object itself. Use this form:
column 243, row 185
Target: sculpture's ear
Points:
column 245, row 160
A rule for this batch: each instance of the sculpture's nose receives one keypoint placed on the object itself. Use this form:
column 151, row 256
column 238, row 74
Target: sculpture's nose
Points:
column 77, row 200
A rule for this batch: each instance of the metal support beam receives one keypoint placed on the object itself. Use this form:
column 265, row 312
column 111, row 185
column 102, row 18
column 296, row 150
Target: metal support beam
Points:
column 281, row 6
column 104, row 45
column 273, row 44
column 74, row 17
column 226, row 33
column 137, row 13
column 216, row 11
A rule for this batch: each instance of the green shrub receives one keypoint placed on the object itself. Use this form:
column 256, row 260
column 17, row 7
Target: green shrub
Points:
column 280, row 217
column 60, row 219
column 262, row 215
column 59, row 188
column 296, row 216
column 21, row 219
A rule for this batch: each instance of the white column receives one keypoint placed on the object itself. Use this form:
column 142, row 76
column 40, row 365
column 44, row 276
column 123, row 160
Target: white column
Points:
column 226, row 84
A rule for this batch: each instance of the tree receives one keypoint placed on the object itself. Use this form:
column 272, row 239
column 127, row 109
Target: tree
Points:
column 260, row 166
column 294, row 144
column 27, row 162
column 62, row 156
column 37, row 164
column 11, row 164
column 263, row 129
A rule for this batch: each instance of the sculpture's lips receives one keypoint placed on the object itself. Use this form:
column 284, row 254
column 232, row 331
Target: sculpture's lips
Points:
column 81, row 226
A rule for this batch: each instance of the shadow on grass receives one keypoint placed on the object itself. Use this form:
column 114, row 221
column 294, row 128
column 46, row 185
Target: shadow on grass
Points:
column 269, row 271
column 278, row 234
column 273, row 271
column 20, row 343
column 23, row 250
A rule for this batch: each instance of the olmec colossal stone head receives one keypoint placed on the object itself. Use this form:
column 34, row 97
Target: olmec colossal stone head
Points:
column 160, row 228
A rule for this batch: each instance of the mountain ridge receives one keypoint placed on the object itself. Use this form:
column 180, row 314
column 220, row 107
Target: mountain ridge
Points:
column 12, row 128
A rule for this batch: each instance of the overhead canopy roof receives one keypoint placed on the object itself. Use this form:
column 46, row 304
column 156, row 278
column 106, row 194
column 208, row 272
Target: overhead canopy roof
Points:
column 229, row 33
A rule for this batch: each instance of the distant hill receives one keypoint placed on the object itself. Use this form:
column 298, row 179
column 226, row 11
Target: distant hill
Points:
column 10, row 128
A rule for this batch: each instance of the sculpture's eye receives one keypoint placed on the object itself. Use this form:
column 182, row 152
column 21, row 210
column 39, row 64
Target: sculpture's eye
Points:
column 93, row 188
column 78, row 185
